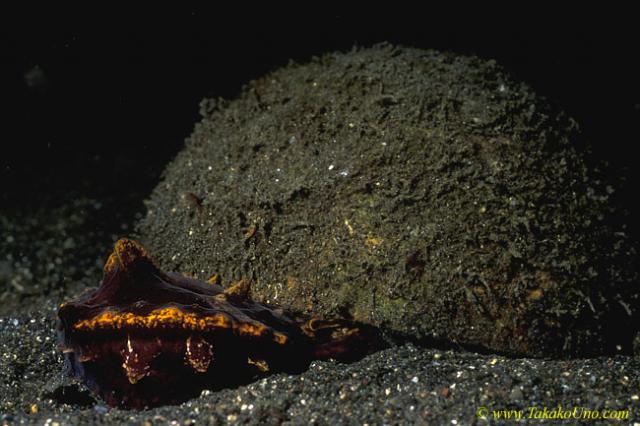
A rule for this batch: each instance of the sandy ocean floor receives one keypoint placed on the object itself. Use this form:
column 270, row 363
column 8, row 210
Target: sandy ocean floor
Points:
column 51, row 254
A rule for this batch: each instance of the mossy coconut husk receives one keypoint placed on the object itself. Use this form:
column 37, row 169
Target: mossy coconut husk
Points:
column 427, row 193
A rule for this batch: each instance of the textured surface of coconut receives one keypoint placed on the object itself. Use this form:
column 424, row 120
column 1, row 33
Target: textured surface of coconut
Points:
column 426, row 193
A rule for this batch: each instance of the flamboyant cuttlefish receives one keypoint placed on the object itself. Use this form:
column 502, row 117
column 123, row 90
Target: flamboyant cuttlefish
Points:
column 146, row 338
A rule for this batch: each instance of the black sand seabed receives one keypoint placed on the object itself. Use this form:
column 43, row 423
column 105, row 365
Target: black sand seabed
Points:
column 403, row 384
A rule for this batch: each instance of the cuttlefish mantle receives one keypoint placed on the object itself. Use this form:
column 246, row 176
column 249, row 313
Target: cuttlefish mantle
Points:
column 146, row 338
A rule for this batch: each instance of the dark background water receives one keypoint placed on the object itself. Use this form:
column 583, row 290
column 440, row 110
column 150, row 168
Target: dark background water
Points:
column 97, row 103
column 100, row 102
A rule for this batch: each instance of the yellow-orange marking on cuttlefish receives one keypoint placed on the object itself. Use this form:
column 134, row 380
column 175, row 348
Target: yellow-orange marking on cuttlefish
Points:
column 172, row 316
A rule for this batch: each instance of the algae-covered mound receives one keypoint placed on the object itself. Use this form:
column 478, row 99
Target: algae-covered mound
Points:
column 426, row 193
